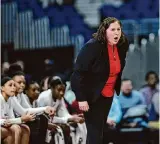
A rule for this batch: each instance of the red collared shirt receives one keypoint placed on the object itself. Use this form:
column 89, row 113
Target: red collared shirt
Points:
column 115, row 67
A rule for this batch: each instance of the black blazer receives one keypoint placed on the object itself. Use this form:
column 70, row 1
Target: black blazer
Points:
column 92, row 69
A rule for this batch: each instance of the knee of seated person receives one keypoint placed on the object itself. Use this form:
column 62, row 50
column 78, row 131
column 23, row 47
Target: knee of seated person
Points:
column 5, row 133
column 16, row 129
column 25, row 128
column 10, row 136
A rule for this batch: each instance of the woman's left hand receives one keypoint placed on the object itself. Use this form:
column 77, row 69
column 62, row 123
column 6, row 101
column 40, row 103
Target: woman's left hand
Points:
column 111, row 122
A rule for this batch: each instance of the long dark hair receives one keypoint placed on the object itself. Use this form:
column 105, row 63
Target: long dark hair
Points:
column 100, row 35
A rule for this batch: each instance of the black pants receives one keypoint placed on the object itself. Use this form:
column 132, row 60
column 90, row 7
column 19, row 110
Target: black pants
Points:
column 96, row 118
column 38, row 129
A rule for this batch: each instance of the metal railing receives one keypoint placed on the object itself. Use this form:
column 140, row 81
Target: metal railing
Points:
column 140, row 60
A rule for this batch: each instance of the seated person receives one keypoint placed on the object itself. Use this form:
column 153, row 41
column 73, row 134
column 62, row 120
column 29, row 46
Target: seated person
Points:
column 39, row 127
column 17, row 101
column 16, row 68
column 13, row 129
column 149, row 89
column 32, row 92
column 54, row 97
column 134, row 110
column 154, row 111
column 20, row 105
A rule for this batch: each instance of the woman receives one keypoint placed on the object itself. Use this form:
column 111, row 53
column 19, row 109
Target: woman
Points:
column 13, row 131
column 32, row 91
column 18, row 102
column 55, row 97
column 150, row 89
column 39, row 127
column 97, row 74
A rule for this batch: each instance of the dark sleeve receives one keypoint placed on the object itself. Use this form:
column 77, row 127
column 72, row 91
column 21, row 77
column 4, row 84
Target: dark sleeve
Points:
column 79, row 81
column 118, row 84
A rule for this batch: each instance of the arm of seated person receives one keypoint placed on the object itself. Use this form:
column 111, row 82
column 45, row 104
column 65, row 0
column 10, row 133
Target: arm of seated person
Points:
column 76, row 119
column 52, row 127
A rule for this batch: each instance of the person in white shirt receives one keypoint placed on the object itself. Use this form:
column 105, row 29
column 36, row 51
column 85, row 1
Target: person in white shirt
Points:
column 32, row 92
column 155, row 100
column 22, row 98
column 17, row 101
column 18, row 77
column 54, row 97
column 13, row 131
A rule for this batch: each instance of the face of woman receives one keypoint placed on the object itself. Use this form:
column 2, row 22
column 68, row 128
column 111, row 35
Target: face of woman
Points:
column 9, row 88
column 33, row 91
column 152, row 79
column 58, row 91
column 19, row 83
column 113, row 33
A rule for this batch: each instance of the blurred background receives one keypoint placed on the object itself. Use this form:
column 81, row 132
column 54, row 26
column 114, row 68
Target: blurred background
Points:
column 36, row 30
column 45, row 36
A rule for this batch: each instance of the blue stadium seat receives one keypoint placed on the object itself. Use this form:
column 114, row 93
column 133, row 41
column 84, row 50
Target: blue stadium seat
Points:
column 108, row 10
column 136, row 9
column 57, row 20
column 75, row 21
column 88, row 34
column 82, row 29
column 50, row 11
column 37, row 9
column 38, row 12
column 23, row 7
column 69, row 10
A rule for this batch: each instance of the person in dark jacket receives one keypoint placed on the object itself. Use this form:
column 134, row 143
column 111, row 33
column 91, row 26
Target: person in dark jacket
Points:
column 97, row 73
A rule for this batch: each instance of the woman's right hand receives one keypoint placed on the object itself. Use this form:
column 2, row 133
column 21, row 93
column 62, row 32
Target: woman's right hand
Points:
column 28, row 117
column 76, row 119
column 83, row 106
column 7, row 123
